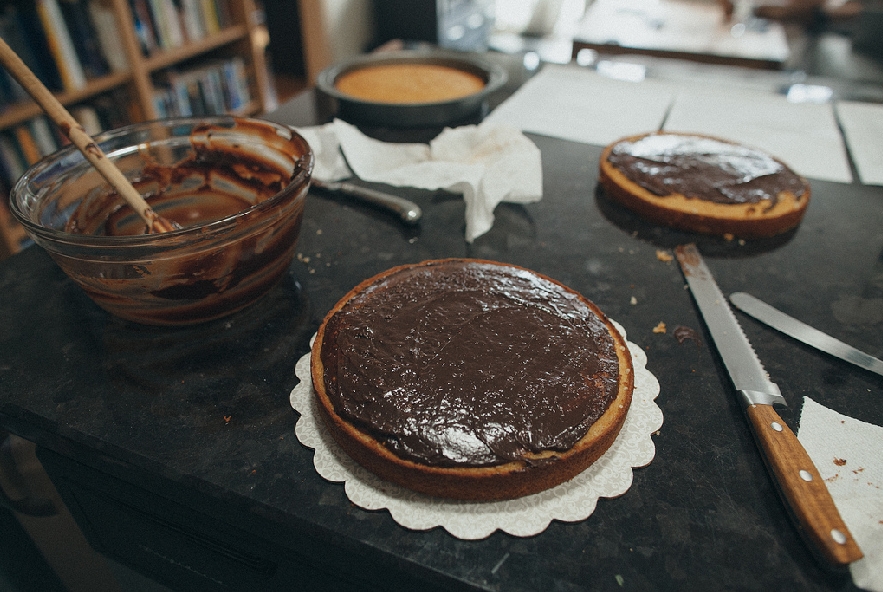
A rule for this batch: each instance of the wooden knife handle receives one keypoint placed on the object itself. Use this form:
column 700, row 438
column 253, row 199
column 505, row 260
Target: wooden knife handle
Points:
column 802, row 487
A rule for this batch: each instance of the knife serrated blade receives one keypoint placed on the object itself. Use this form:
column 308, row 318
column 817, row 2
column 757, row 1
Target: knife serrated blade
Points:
column 745, row 369
column 799, row 482
column 802, row 332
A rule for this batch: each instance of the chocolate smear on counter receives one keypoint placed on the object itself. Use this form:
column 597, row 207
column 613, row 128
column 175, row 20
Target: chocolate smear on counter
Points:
column 682, row 333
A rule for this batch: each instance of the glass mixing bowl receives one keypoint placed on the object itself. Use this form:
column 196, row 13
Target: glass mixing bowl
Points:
column 236, row 186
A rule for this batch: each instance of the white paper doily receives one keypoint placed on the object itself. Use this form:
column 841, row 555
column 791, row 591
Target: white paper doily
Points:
column 575, row 500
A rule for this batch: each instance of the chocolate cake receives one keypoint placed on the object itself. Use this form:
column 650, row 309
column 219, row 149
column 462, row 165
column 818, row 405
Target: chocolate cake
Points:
column 704, row 184
column 471, row 379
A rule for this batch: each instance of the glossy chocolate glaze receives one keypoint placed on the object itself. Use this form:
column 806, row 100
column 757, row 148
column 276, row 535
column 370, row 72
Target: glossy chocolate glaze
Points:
column 704, row 168
column 466, row 363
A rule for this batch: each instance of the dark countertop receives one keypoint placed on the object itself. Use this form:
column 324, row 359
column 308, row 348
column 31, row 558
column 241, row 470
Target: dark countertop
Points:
column 190, row 430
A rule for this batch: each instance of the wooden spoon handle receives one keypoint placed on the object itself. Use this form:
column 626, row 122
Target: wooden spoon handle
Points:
column 78, row 136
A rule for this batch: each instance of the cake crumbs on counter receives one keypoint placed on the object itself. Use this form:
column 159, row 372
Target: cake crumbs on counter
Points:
column 663, row 255
column 660, row 328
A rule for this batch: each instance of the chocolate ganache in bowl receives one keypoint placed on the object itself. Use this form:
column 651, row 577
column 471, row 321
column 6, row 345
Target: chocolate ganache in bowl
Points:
column 235, row 186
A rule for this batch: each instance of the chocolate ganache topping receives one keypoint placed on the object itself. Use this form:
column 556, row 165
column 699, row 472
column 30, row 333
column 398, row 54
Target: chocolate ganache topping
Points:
column 467, row 363
column 704, row 168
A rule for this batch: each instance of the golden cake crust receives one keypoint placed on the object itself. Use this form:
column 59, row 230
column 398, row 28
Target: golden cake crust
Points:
column 486, row 483
column 749, row 220
column 408, row 83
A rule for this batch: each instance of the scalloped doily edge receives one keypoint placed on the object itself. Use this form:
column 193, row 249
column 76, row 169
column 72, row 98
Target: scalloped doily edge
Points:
column 572, row 501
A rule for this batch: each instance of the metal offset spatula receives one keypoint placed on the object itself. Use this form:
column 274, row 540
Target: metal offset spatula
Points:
column 408, row 211
column 799, row 481
column 790, row 326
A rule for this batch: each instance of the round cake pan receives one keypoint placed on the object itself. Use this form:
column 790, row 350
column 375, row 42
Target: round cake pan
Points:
column 412, row 115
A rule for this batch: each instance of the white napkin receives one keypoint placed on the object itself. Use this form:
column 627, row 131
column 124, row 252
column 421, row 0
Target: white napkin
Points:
column 488, row 163
column 580, row 105
column 847, row 453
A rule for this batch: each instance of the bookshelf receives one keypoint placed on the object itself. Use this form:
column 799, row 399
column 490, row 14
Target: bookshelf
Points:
column 142, row 60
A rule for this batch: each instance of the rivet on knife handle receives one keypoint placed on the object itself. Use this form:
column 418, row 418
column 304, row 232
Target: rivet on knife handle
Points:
column 802, row 486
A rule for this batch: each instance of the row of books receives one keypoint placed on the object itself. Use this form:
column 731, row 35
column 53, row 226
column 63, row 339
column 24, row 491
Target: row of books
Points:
column 167, row 24
column 26, row 143
column 67, row 43
column 214, row 88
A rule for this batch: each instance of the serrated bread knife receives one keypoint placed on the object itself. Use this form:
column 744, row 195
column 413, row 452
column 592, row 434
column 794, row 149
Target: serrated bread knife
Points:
column 800, row 331
column 798, row 480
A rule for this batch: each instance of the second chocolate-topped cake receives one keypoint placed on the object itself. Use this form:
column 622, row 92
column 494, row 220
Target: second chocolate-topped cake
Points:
column 471, row 379
column 704, row 184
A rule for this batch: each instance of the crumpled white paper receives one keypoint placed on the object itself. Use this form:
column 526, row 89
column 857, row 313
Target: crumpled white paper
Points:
column 488, row 163
column 847, row 454
column 610, row 476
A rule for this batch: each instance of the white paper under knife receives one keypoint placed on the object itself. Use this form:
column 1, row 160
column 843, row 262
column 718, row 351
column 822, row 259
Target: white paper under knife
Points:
column 800, row 331
column 800, row 484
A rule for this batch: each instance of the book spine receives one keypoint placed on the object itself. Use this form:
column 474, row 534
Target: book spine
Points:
column 174, row 17
column 159, row 23
column 27, row 38
column 160, row 98
column 72, row 75
column 240, row 80
column 46, row 140
column 27, row 144
column 216, row 102
column 224, row 12
column 193, row 21
column 10, row 90
column 178, row 98
column 195, row 96
column 12, row 160
column 84, row 37
column 210, row 16
column 232, row 86
column 105, row 24
column 144, row 28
